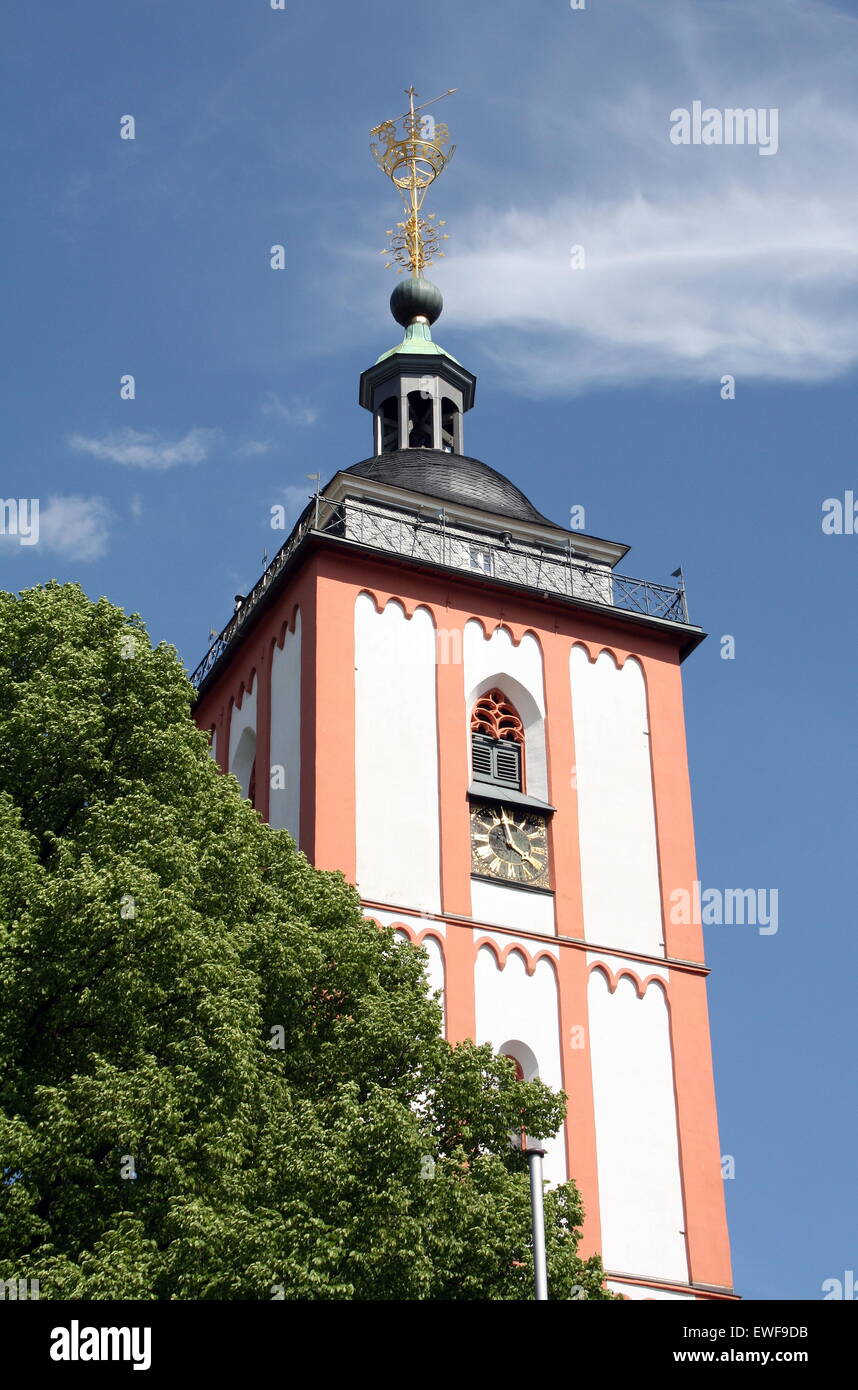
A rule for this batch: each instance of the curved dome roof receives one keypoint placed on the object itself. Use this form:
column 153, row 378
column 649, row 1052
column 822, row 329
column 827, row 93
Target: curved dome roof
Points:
column 451, row 478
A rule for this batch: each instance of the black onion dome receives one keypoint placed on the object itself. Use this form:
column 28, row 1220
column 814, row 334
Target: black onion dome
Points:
column 450, row 478
column 415, row 298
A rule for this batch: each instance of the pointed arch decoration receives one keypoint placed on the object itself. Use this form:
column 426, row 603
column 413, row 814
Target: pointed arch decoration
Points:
column 502, row 954
column 640, row 982
column 496, row 716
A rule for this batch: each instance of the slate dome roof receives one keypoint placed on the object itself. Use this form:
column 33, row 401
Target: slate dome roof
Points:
column 451, row 478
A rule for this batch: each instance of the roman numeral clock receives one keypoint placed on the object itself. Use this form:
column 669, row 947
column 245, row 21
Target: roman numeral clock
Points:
column 508, row 845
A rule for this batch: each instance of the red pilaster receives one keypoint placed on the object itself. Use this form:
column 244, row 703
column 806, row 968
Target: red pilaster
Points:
column 223, row 736
column 459, row 980
column 697, row 1120
column 331, row 803
column 707, row 1237
column 263, row 727
column 581, row 1159
column 562, row 788
column 672, row 799
column 453, row 764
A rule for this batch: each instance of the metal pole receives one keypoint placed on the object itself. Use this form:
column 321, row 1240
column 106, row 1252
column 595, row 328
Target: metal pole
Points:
column 677, row 574
column 537, row 1217
column 317, row 479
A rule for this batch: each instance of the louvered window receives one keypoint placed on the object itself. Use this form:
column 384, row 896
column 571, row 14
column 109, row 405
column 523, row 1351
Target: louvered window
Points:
column 496, row 761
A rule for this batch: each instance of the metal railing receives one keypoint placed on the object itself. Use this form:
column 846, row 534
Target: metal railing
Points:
column 225, row 638
column 430, row 534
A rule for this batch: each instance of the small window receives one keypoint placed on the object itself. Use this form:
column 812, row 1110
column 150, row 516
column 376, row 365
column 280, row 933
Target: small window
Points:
column 480, row 559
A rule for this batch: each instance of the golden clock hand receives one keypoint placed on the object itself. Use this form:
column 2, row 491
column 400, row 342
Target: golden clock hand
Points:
column 507, row 830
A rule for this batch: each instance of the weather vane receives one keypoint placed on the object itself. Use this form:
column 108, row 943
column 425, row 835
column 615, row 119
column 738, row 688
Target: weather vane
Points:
column 411, row 152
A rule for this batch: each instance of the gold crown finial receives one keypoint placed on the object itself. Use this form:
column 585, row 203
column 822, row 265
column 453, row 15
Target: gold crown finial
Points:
column 411, row 151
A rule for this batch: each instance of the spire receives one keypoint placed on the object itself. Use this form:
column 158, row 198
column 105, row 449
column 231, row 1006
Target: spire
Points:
column 411, row 152
column 417, row 392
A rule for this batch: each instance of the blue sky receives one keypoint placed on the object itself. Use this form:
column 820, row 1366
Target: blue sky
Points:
column 597, row 387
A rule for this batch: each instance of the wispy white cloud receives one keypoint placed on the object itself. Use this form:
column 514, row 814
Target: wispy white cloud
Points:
column 293, row 412
column 669, row 288
column 77, row 528
column 74, row 527
column 254, row 447
column 699, row 261
column 147, row 449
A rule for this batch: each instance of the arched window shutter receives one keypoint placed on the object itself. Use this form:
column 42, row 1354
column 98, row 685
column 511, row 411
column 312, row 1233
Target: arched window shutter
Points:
column 497, row 740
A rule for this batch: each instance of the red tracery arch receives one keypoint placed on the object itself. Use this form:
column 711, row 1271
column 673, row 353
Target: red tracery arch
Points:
column 493, row 714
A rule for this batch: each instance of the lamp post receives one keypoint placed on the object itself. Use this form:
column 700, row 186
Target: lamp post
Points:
column 535, row 1152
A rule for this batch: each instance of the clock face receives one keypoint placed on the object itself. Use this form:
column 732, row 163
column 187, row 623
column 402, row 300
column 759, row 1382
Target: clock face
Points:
column 509, row 844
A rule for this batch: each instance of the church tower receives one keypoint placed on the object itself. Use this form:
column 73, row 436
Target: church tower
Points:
column 468, row 710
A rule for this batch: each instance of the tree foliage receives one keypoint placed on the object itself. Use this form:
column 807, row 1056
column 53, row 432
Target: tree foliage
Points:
column 157, row 941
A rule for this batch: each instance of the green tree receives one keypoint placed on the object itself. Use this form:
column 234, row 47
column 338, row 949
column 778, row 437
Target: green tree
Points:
column 157, row 945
